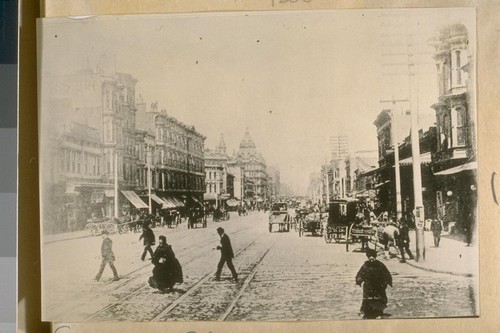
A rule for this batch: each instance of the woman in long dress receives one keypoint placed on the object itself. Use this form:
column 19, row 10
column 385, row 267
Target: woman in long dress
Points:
column 167, row 271
column 375, row 278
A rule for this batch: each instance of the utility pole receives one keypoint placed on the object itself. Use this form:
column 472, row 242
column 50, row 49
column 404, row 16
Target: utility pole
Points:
column 408, row 39
column 417, row 175
column 149, row 176
column 115, row 166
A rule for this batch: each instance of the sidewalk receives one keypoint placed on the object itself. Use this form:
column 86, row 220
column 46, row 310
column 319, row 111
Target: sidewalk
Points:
column 451, row 257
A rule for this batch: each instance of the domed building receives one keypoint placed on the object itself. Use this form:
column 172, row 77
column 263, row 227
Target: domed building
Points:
column 253, row 167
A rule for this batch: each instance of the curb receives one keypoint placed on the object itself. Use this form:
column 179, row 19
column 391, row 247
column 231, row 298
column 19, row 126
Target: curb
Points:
column 66, row 239
column 438, row 270
column 432, row 269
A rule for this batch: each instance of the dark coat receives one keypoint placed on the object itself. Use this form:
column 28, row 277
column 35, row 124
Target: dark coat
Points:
column 107, row 250
column 375, row 278
column 226, row 250
column 436, row 227
column 404, row 234
column 149, row 236
column 167, row 270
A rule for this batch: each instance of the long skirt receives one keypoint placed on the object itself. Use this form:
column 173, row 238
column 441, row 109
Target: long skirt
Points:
column 166, row 275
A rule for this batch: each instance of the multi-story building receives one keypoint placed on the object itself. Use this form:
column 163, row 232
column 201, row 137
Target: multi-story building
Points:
column 110, row 151
column 254, row 169
column 356, row 163
column 339, row 146
column 216, row 174
column 88, row 121
column 454, row 161
column 178, row 174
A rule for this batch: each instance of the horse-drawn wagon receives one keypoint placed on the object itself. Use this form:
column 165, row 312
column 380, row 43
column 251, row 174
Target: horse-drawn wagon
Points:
column 279, row 215
column 346, row 225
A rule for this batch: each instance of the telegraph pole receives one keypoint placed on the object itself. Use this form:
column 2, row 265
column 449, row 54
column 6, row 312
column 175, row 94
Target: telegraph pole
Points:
column 116, row 182
column 149, row 157
column 415, row 150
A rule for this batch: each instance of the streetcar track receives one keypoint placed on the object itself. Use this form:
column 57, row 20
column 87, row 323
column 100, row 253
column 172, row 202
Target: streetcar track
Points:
column 192, row 257
column 191, row 290
column 244, row 287
column 146, row 285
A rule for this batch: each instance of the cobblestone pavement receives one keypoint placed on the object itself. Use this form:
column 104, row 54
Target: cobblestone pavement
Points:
column 282, row 277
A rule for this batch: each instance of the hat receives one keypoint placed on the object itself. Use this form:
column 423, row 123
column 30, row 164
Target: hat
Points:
column 371, row 253
column 220, row 229
column 163, row 237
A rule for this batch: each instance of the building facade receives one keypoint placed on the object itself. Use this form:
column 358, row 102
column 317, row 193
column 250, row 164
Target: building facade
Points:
column 454, row 161
column 254, row 168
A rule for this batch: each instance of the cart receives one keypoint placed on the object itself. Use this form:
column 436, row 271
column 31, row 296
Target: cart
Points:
column 279, row 215
column 312, row 223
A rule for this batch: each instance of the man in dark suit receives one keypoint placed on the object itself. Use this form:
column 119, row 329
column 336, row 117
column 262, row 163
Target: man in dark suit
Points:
column 226, row 255
column 149, row 240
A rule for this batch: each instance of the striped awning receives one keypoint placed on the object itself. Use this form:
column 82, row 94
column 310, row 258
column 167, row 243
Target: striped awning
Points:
column 134, row 199
column 168, row 203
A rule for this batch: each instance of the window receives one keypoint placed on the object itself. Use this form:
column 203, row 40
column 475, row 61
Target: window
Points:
column 458, row 69
column 461, row 127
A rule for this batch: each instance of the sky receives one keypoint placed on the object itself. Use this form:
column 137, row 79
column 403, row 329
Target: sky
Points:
column 292, row 78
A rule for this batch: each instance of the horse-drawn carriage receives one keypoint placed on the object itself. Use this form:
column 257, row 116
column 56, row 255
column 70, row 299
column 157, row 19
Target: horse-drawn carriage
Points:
column 312, row 223
column 345, row 225
column 221, row 215
column 279, row 215
column 196, row 218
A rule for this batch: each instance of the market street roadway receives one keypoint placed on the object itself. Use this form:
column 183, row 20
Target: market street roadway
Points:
column 282, row 277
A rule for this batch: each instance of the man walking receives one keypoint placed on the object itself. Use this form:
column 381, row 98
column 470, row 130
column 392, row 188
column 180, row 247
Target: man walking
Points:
column 107, row 256
column 226, row 255
column 436, row 229
column 149, row 240
column 404, row 241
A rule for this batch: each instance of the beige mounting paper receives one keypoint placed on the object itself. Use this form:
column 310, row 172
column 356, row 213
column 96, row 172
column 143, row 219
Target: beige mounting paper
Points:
column 487, row 99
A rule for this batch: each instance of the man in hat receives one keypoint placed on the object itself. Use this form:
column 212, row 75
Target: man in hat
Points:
column 149, row 240
column 375, row 278
column 226, row 255
column 107, row 256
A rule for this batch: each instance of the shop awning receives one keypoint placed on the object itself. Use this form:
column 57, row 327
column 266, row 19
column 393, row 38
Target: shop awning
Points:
column 178, row 202
column 157, row 199
column 464, row 167
column 168, row 203
column 134, row 199
column 425, row 158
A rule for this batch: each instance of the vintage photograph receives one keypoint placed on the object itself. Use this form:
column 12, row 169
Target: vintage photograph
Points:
column 259, row 166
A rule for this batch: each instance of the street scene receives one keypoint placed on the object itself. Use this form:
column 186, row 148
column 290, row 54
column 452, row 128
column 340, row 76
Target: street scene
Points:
column 281, row 277
column 259, row 166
